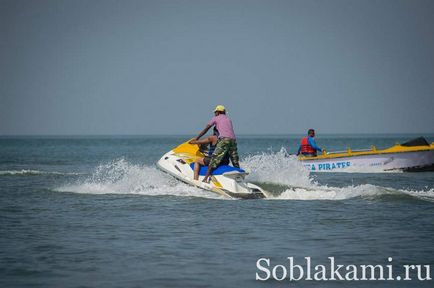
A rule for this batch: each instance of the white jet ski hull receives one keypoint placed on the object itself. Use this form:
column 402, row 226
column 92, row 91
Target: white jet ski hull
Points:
column 226, row 180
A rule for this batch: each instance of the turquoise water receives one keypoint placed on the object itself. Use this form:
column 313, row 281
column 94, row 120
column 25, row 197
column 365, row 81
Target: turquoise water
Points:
column 95, row 212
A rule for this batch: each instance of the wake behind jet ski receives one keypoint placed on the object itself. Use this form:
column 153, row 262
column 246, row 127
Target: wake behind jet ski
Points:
column 225, row 180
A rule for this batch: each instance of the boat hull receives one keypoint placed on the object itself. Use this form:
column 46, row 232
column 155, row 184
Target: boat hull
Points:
column 385, row 162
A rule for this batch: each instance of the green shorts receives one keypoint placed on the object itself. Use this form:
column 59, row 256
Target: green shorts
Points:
column 207, row 160
column 226, row 148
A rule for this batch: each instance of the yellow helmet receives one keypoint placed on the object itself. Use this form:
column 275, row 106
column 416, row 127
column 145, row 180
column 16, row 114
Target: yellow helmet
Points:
column 219, row 108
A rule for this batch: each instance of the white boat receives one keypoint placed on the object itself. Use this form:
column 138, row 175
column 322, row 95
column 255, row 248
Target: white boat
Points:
column 414, row 155
column 225, row 180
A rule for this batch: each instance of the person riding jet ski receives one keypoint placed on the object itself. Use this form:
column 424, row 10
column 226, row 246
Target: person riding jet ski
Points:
column 227, row 143
column 211, row 142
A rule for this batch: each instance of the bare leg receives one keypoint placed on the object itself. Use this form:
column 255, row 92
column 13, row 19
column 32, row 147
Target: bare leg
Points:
column 197, row 165
column 208, row 173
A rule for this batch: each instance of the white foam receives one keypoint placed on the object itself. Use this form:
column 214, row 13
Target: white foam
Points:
column 121, row 177
column 25, row 172
column 281, row 169
column 330, row 193
column 427, row 195
column 277, row 168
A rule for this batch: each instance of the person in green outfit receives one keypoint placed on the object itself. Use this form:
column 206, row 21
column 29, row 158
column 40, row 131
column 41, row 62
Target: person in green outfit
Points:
column 226, row 144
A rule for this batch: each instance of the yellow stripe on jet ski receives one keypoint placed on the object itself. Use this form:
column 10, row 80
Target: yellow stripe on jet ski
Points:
column 216, row 183
column 188, row 149
column 349, row 153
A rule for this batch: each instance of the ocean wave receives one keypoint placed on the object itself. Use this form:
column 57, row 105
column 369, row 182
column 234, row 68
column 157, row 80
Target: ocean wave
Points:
column 277, row 168
column 288, row 179
column 282, row 176
column 362, row 191
column 427, row 195
column 121, row 177
column 30, row 172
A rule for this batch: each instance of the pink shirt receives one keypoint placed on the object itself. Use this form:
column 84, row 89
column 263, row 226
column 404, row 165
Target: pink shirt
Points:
column 224, row 125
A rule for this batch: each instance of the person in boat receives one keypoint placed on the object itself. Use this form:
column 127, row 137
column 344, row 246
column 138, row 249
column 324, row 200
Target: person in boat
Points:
column 226, row 144
column 211, row 142
column 308, row 146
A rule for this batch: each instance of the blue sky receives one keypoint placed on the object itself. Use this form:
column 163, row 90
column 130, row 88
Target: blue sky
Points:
column 160, row 67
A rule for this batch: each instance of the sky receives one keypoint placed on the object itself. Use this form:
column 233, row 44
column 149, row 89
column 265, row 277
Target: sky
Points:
column 160, row 67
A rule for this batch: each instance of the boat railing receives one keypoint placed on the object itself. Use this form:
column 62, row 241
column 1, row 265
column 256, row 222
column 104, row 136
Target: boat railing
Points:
column 349, row 151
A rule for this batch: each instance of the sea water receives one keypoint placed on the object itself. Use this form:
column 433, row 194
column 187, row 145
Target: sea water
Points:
column 96, row 212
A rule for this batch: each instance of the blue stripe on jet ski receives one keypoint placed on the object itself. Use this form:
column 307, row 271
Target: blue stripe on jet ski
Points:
column 218, row 171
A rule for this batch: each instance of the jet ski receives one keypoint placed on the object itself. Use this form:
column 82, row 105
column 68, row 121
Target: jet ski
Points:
column 412, row 156
column 225, row 180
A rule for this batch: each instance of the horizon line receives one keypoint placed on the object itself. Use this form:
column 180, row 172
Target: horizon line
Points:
column 238, row 134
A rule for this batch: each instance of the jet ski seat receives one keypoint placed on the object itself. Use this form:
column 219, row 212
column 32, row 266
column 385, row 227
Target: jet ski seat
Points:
column 219, row 170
